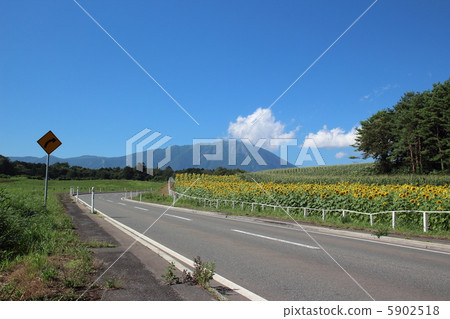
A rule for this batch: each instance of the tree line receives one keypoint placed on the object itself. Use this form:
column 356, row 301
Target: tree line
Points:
column 413, row 136
column 63, row 171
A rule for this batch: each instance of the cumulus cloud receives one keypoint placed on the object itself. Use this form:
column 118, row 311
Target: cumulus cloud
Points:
column 340, row 155
column 334, row 138
column 260, row 124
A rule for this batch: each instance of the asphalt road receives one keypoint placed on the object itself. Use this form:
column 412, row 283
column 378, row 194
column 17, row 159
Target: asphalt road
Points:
column 280, row 263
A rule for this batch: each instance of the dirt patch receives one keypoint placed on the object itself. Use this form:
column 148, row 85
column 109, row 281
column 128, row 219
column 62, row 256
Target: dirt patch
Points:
column 24, row 282
column 165, row 190
column 20, row 284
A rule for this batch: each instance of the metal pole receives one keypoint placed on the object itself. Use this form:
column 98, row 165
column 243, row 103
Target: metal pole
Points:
column 92, row 201
column 46, row 180
column 425, row 222
column 393, row 220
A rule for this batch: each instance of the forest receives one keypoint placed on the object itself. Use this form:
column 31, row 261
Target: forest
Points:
column 63, row 171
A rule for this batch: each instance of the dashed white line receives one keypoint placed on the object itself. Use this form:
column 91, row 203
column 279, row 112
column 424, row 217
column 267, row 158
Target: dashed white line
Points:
column 141, row 208
column 108, row 200
column 122, row 204
column 275, row 239
column 177, row 217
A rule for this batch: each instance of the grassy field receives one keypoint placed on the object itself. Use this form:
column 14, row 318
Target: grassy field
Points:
column 41, row 257
column 353, row 173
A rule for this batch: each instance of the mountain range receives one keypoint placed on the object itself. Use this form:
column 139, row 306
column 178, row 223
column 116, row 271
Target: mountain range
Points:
column 181, row 157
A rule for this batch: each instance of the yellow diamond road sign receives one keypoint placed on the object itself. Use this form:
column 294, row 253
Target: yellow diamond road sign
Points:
column 49, row 142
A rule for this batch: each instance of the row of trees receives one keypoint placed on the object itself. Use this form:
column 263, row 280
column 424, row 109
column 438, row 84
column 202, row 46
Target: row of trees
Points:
column 413, row 135
column 65, row 171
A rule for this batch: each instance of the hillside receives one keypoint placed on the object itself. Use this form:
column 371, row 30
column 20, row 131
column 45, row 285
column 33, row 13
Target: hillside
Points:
column 181, row 158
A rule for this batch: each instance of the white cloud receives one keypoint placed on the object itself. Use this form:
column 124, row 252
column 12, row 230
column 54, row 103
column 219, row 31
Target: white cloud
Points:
column 260, row 124
column 334, row 138
column 340, row 155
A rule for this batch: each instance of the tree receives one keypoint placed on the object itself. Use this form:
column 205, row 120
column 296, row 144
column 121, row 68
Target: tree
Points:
column 6, row 167
column 413, row 135
column 374, row 139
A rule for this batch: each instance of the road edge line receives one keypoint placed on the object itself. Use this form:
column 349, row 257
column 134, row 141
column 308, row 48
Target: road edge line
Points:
column 390, row 241
column 172, row 256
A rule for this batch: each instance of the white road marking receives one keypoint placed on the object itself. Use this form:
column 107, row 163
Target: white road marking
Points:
column 122, row 204
column 108, row 200
column 430, row 250
column 172, row 256
column 276, row 239
column 293, row 228
column 177, row 217
column 141, row 208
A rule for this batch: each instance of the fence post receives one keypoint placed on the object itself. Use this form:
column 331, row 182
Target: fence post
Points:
column 393, row 220
column 78, row 189
column 92, row 201
column 204, row 202
column 288, row 209
column 232, row 203
column 425, row 222
column 262, row 206
column 323, row 214
column 242, row 205
column 217, row 204
column 371, row 220
column 305, row 213
column 140, row 196
column 344, row 213
column 253, row 205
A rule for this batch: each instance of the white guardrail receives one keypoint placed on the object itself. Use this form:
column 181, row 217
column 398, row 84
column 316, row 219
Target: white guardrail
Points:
column 344, row 212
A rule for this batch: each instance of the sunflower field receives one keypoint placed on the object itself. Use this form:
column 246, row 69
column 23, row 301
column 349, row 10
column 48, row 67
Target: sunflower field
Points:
column 368, row 198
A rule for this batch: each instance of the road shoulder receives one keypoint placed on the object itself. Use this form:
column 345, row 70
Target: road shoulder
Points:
column 137, row 274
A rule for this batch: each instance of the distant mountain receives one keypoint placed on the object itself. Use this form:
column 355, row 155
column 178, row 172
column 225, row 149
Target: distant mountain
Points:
column 181, row 158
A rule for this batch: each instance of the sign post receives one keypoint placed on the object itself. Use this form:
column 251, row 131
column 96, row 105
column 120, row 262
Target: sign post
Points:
column 92, row 201
column 49, row 142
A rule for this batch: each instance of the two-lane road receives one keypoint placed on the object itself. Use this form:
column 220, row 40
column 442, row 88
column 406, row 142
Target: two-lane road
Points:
column 283, row 263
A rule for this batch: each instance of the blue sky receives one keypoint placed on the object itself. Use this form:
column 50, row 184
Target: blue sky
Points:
column 223, row 61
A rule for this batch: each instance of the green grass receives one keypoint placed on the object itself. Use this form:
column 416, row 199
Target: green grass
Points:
column 99, row 244
column 156, row 197
column 362, row 173
column 41, row 257
column 63, row 186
